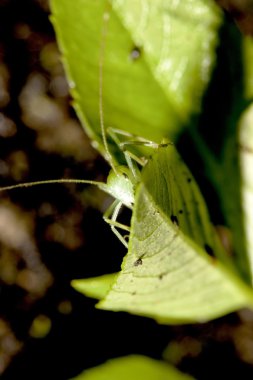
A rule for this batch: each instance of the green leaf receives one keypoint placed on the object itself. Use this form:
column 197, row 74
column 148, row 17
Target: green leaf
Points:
column 246, row 170
column 154, row 94
column 248, row 64
column 95, row 287
column 134, row 367
column 167, row 274
column 245, row 128
column 224, row 127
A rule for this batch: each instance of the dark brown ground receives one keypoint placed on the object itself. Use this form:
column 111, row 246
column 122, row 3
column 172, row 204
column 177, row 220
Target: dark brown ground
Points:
column 52, row 234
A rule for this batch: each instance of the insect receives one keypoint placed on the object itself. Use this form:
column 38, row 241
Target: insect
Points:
column 123, row 179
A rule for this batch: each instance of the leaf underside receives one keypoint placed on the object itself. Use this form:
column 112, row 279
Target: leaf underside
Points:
column 166, row 274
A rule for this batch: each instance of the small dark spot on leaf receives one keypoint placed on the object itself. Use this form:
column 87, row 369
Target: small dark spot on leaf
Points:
column 135, row 53
column 189, row 180
column 161, row 277
column 133, row 294
column 209, row 250
column 174, row 220
column 138, row 262
column 164, row 145
column 181, row 212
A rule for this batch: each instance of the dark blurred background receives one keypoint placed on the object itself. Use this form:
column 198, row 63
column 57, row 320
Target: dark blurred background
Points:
column 52, row 234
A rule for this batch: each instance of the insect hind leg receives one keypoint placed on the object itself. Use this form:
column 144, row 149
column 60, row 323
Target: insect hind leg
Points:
column 110, row 217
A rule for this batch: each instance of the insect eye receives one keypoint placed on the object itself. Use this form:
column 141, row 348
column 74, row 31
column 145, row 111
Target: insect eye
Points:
column 124, row 171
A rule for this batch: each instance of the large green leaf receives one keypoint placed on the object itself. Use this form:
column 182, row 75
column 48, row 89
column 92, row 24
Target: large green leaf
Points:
column 154, row 76
column 157, row 61
column 248, row 63
column 168, row 273
column 246, row 170
column 224, row 140
column 135, row 368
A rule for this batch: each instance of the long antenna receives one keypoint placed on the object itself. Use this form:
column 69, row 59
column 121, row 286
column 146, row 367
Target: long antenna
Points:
column 54, row 181
column 106, row 17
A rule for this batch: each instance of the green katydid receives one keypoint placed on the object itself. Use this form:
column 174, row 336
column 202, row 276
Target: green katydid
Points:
column 122, row 180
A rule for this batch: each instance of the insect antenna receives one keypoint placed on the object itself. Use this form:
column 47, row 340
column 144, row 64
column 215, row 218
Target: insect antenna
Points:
column 53, row 181
column 104, row 32
column 102, row 186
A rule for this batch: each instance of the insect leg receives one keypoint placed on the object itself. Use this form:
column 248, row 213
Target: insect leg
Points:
column 135, row 140
column 129, row 156
column 110, row 217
